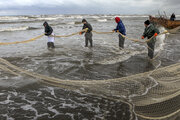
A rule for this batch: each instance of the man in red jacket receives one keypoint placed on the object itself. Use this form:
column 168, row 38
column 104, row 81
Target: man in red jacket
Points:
column 121, row 28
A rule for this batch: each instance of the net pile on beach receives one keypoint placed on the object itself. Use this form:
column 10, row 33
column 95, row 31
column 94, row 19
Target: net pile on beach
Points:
column 150, row 95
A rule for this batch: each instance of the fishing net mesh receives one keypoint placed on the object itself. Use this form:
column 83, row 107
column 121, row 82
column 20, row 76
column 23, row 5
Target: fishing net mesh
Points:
column 152, row 95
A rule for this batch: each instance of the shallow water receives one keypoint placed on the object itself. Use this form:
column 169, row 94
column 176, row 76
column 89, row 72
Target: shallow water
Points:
column 23, row 97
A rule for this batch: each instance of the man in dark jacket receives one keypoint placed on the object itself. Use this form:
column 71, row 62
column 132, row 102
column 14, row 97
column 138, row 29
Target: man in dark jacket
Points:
column 149, row 32
column 48, row 32
column 121, row 28
column 173, row 17
column 88, row 34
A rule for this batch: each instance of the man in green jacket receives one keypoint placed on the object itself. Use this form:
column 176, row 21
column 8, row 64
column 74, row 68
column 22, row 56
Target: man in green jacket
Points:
column 149, row 32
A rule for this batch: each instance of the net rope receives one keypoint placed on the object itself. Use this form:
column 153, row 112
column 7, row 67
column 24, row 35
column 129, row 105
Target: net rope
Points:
column 156, row 94
column 85, row 30
column 164, row 91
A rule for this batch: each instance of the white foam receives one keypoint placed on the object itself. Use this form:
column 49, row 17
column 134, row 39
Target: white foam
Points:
column 7, row 101
column 30, row 102
column 122, row 55
column 131, row 16
column 71, row 23
column 30, row 107
column 50, row 18
column 74, row 17
column 101, row 20
column 50, row 98
column 85, row 119
column 14, row 29
column 53, row 110
column 64, row 105
column 95, row 17
column 71, row 115
column 39, row 93
column 52, row 91
column 160, row 40
column 7, row 117
column 177, row 15
column 14, row 93
column 11, row 18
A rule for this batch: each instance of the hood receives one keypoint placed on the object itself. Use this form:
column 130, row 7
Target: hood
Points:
column 117, row 19
column 84, row 20
column 45, row 23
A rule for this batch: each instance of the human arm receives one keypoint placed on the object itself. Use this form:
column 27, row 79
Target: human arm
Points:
column 48, row 31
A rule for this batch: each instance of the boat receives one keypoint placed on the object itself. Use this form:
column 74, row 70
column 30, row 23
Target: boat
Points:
column 165, row 22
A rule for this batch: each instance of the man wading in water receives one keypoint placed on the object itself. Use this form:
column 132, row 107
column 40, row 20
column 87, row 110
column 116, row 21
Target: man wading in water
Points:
column 121, row 28
column 88, row 34
column 149, row 32
column 48, row 32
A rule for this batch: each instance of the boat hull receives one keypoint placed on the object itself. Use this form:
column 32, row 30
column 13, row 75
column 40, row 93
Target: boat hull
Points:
column 165, row 22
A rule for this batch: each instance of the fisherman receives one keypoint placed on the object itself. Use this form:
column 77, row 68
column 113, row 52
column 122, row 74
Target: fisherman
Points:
column 121, row 28
column 173, row 17
column 49, row 32
column 88, row 34
column 149, row 32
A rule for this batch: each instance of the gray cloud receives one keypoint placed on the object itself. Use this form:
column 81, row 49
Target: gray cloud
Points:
column 88, row 6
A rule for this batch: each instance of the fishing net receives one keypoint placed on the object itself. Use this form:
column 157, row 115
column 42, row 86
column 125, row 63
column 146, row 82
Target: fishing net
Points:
column 152, row 95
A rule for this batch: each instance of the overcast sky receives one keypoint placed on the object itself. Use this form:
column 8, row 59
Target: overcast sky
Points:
column 27, row 7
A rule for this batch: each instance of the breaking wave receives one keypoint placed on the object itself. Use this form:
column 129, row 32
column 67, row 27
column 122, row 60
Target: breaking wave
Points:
column 22, row 28
column 13, row 18
column 50, row 18
column 101, row 20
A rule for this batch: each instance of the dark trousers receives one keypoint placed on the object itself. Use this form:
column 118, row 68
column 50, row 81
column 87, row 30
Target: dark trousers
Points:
column 50, row 45
column 151, row 49
column 88, row 37
column 121, row 41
